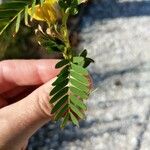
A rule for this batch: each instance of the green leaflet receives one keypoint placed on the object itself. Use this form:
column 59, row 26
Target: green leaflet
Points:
column 65, row 69
column 26, row 16
column 59, row 95
column 71, row 88
column 78, row 92
column 79, row 77
column 59, row 86
column 66, row 118
column 79, row 85
column 78, row 60
column 79, row 69
column 77, row 102
column 84, row 53
column 62, row 63
column 76, row 111
column 87, row 60
column 33, row 7
column 74, row 119
column 61, row 112
column 18, row 22
column 61, row 78
column 59, row 104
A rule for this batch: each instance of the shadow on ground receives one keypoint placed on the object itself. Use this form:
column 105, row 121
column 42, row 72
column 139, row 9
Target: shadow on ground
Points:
column 110, row 9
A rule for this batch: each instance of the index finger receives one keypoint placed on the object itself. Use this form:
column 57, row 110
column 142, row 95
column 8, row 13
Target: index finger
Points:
column 15, row 73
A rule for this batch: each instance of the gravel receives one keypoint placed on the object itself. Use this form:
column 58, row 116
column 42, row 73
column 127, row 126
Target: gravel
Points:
column 116, row 34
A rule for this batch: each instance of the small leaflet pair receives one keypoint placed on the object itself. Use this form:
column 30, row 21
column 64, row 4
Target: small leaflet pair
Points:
column 71, row 88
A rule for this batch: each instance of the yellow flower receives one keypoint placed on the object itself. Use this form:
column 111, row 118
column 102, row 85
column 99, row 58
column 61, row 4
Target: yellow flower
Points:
column 49, row 12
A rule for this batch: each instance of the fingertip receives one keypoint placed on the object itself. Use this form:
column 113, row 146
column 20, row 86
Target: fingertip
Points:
column 46, row 70
column 26, row 72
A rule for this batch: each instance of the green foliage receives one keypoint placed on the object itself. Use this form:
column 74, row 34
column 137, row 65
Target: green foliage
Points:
column 70, row 91
column 69, row 6
column 51, row 44
column 87, row 60
column 13, row 11
column 62, row 63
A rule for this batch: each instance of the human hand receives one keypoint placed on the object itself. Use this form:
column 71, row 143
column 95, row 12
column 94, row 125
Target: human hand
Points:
column 24, row 99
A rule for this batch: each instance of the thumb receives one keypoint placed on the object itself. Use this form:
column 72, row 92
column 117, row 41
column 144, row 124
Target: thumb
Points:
column 20, row 120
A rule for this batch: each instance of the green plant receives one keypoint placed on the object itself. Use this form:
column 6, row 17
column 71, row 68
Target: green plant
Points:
column 72, row 85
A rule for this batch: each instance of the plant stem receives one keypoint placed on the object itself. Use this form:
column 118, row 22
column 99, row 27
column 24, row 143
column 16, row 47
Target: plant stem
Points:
column 67, row 51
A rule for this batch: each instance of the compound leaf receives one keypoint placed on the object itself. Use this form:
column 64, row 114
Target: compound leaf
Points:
column 70, row 90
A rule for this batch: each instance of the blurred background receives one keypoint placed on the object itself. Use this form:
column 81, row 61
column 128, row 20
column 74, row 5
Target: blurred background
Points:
column 117, row 36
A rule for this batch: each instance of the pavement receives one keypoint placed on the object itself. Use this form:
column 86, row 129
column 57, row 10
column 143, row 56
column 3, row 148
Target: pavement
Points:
column 117, row 36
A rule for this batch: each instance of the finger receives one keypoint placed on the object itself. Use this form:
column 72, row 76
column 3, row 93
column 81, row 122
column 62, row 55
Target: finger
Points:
column 18, row 93
column 25, row 146
column 25, row 72
column 3, row 102
column 14, row 92
column 27, row 116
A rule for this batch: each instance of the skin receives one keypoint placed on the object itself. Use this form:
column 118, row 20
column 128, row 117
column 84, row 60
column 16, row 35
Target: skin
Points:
column 24, row 100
